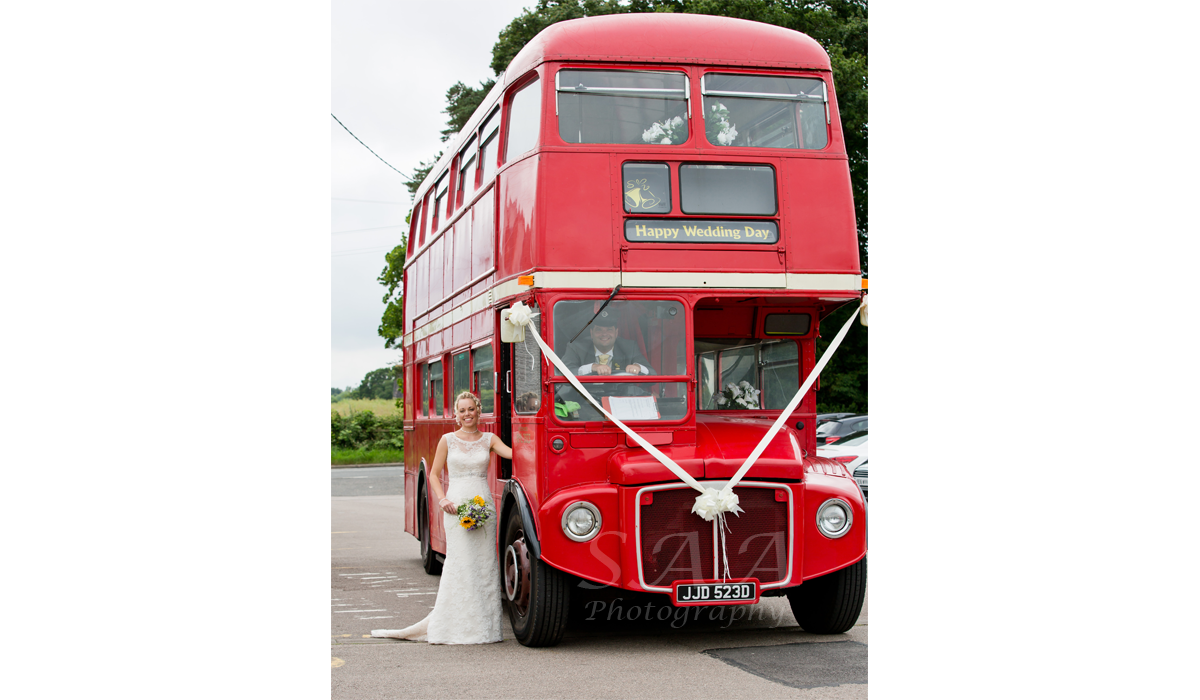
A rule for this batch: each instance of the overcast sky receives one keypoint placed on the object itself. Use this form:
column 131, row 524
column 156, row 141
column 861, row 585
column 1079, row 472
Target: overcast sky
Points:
column 392, row 64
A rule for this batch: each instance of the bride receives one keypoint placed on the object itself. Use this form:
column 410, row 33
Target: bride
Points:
column 467, row 609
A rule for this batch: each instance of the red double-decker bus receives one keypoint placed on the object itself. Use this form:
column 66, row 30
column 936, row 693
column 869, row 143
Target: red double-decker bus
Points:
column 670, row 194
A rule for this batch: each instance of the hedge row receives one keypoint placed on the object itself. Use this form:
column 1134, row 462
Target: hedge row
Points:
column 366, row 431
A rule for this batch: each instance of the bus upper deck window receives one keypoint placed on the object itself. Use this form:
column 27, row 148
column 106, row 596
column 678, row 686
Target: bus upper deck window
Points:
column 466, row 180
column 764, row 111
column 440, row 208
column 487, row 148
column 624, row 106
column 524, row 120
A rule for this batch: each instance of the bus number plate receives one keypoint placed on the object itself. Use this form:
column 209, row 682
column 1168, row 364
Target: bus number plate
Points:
column 738, row 592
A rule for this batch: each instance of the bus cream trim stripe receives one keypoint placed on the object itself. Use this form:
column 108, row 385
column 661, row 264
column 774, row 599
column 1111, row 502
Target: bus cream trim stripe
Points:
column 556, row 279
column 719, row 280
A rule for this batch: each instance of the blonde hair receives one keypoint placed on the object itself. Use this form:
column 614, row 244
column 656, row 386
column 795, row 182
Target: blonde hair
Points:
column 467, row 395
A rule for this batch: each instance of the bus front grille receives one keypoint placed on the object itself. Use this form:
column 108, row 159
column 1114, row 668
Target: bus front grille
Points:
column 677, row 545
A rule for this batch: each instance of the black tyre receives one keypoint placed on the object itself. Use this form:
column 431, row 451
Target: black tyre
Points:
column 831, row 603
column 429, row 560
column 536, row 595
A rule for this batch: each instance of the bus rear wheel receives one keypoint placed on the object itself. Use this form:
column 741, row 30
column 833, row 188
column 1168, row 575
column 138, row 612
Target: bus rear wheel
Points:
column 830, row 604
column 536, row 594
column 429, row 560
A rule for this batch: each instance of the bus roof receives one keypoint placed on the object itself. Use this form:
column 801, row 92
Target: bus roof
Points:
column 666, row 37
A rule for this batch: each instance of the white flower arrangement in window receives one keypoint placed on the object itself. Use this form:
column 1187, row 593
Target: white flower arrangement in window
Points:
column 668, row 131
column 738, row 396
column 717, row 126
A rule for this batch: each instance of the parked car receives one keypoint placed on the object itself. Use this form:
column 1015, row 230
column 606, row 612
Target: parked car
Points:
column 850, row 450
column 826, row 417
column 860, row 475
column 834, row 430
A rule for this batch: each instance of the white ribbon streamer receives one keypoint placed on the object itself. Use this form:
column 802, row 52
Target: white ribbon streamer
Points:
column 521, row 314
column 808, row 382
column 711, row 504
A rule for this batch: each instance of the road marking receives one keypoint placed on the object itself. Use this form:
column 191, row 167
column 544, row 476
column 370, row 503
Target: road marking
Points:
column 337, row 662
column 377, row 617
column 335, row 612
column 372, row 573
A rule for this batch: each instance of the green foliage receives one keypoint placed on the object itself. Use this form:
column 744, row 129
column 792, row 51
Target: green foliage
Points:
column 461, row 103
column 376, row 384
column 391, row 325
column 420, row 173
column 844, row 379
column 343, row 456
column 365, row 431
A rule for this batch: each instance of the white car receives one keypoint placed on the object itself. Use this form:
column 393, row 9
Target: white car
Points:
column 852, row 452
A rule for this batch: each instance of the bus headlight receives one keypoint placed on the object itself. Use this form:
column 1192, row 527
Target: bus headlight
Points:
column 581, row 521
column 834, row 518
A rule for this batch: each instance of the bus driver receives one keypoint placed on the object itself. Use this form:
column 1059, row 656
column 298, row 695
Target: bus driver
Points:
column 605, row 353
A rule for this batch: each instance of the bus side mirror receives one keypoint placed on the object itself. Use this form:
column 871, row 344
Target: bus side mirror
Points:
column 509, row 331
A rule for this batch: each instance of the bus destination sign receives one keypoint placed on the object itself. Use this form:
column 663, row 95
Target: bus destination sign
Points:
column 700, row 231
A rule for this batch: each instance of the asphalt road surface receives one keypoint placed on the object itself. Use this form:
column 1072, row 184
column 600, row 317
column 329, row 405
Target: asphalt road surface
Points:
column 610, row 650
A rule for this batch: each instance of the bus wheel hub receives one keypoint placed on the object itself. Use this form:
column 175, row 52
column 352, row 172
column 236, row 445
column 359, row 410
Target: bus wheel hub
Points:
column 516, row 575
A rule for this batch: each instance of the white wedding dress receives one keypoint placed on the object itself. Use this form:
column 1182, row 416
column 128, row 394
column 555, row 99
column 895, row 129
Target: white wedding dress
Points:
column 467, row 608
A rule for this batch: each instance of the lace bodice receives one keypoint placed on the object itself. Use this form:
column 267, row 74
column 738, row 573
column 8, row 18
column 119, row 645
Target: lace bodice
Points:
column 468, row 458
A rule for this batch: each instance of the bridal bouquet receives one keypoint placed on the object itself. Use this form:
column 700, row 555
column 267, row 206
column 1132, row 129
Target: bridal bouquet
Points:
column 473, row 513
column 740, row 395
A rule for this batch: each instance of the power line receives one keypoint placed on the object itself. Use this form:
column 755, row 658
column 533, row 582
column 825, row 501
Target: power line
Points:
column 361, row 251
column 370, row 201
column 339, row 121
column 376, row 228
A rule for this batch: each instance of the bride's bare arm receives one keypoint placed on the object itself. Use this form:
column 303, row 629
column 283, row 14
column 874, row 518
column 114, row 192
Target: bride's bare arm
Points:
column 500, row 448
column 435, row 478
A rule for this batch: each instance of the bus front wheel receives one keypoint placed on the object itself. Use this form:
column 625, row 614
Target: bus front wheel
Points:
column 830, row 604
column 429, row 560
column 536, row 594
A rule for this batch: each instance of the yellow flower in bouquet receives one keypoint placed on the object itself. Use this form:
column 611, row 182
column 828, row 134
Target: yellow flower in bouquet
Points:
column 473, row 513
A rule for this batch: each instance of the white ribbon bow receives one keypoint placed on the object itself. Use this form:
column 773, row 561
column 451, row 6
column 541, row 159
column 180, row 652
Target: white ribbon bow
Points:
column 712, row 503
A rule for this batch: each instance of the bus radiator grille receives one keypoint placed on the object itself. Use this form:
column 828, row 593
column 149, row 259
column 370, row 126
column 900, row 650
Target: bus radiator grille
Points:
column 677, row 545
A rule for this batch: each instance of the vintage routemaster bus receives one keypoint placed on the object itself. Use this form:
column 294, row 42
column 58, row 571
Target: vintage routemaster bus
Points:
column 670, row 194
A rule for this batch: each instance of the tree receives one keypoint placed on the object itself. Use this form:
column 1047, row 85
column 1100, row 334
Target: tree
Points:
column 376, row 384
column 420, row 173
column 391, row 326
column 461, row 103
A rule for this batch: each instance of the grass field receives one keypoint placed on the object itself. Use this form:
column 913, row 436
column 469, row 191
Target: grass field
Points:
column 380, row 407
column 340, row 456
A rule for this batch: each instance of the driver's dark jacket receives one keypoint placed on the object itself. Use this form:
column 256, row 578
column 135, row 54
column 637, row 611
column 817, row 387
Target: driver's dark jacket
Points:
column 624, row 352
